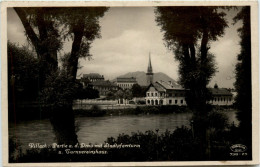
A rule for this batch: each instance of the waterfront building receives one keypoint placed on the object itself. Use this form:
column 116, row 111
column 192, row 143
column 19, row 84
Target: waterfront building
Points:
column 165, row 93
column 221, row 96
column 168, row 93
column 126, row 83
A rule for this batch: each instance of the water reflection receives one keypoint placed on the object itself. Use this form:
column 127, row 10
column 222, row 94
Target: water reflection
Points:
column 97, row 129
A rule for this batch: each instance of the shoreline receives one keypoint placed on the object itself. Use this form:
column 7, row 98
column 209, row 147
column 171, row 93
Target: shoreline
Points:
column 38, row 113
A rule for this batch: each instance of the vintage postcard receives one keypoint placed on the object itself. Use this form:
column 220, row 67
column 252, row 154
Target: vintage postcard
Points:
column 130, row 83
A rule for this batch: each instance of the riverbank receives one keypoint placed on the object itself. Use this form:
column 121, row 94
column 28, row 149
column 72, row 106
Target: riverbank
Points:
column 38, row 113
column 144, row 110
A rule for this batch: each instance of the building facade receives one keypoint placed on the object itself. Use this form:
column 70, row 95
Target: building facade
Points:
column 104, row 87
column 165, row 93
column 92, row 77
column 126, row 83
column 221, row 96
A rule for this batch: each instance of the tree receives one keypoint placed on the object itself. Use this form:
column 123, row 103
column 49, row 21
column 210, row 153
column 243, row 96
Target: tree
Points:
column 46, row 29
column 137, row 91
column 188, row 31
column 22, row 73
column 243, row 84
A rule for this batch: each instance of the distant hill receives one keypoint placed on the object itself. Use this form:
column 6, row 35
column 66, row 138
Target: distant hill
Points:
column 141, row 77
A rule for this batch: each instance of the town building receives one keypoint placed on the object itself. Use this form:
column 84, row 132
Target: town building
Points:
column 104, row 87
column 221, row 96
column 92, row 77
column 168, row 93
column 126, row 83
column 87, row 79
column 165, row 93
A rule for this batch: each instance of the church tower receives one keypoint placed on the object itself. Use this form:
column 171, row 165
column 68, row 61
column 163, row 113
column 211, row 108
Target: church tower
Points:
column 149, row 74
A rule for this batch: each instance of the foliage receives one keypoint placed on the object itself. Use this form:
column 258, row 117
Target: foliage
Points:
column 138, row 91
column 47, row 28
column 23, row 71
column 59, row 90
column 86, row 93
column 188, row 31
column 217, row 120
column 243, row 84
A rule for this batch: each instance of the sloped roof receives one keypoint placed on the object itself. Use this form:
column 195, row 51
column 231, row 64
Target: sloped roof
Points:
column 158, row 87
column 220, row 91
column 103, row 83
column 169, row 86
column 132, row 79
column 92, row 75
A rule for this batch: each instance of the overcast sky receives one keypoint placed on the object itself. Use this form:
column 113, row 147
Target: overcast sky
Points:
column 129, row 34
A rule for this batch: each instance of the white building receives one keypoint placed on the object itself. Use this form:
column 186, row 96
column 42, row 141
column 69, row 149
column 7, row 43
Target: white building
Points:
column 165, row 93
column 126, row 83
column 221, row 96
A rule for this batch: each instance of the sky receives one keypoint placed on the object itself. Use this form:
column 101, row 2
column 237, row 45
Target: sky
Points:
column 129, row 34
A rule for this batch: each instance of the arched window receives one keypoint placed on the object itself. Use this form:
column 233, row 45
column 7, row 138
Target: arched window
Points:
column 161, row 102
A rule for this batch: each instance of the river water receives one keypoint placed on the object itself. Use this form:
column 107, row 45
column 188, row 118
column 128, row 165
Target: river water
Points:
column 96, row 130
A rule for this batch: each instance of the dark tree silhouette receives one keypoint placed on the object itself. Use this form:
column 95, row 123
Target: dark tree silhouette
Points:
column 188, row 31
column 137, row 91
column 243, row 84
column 46, row 29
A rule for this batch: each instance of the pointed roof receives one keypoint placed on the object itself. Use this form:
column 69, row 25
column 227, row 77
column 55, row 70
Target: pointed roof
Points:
column 149, row 69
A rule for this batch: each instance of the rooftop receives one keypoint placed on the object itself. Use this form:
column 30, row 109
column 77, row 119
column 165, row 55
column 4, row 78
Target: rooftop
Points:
column 220, row 91
column 92, row 75
column 103, row 83
column 169, row 85
column 132, row 79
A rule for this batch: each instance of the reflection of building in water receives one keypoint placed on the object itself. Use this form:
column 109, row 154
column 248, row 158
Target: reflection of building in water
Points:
column 126, row 83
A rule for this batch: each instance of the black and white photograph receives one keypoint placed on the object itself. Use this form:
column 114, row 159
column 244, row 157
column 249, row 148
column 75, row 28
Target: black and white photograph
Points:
column 153, row 83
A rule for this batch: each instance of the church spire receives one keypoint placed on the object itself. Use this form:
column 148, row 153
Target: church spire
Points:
column 149, row 69
column 149, row 74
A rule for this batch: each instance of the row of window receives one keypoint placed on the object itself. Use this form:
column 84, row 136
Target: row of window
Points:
column 176, row 101
column 154, row 94
column 156, row 102
column 168, row 95
column 125, row 85
column 176, row 94
column 222, row 99
column 105, row 88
